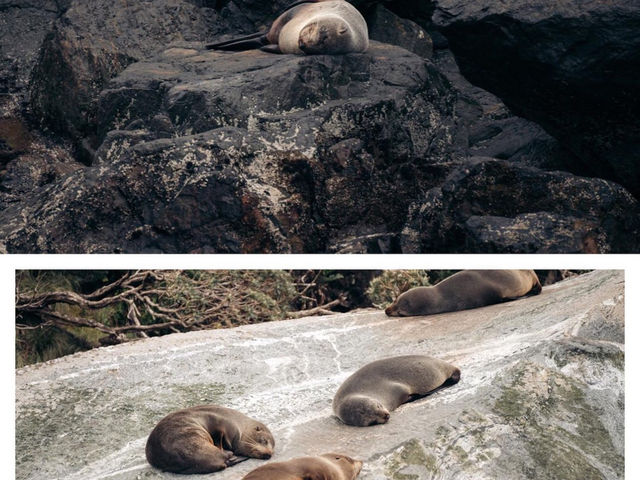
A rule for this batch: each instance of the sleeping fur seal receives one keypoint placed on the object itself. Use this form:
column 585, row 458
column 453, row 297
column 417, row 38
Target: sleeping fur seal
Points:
column 204, row 439
column 309, row 27
column 466, row 289
column 328, row 466
column 367, row 396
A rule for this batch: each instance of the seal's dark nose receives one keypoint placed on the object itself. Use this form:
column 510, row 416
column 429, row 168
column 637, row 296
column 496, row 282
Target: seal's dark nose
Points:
column 389, row 310
column 301, row 45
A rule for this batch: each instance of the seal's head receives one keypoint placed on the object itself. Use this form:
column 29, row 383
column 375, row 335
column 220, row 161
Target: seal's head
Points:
column 411, row 302
column 325, row 36
column 349, row 467
column 362, row 411
column 256, row 441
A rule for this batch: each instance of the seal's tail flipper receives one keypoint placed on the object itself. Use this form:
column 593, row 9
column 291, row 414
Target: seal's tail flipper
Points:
column 271, row 49
column 235, row 460
column 248, row 42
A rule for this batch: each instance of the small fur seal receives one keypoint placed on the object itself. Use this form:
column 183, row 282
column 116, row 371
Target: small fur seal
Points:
column 464, row 290
column 309, row 27
column 328, row 466
column 204, row 439
column 367, row 396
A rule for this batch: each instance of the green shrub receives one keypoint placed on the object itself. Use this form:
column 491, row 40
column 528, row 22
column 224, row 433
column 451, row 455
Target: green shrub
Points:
column 384, row 289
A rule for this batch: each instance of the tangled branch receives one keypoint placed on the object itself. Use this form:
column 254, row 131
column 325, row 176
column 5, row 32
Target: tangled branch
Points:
column 159, row 302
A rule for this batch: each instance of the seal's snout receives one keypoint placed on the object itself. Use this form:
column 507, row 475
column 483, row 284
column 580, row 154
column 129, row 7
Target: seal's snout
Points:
column 390, row 310
column 266, row 456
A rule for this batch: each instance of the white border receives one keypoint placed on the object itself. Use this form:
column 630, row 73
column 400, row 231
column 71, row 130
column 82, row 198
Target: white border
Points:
column 305, row 261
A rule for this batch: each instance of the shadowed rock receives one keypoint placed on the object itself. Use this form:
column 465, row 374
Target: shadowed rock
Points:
column 573, row 67
column 536, row 212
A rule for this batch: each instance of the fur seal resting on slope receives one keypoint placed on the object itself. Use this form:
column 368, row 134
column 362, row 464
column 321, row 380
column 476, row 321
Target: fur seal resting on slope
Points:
column 204, row 439
column 464, row 290
column 328, row 466
column 367, row 396
column 309, row 27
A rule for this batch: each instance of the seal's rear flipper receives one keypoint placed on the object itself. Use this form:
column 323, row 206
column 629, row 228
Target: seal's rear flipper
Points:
column 272, row 48
column 248, row 42
column 235, row 460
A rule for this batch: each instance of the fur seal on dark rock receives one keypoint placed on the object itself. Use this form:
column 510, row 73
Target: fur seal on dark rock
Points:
column 309, row 27
column 464, row 290
column 328, row 466
column 367, row 396
column 204, row 439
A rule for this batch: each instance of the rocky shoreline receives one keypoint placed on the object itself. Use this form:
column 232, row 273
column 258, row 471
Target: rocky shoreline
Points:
column 463, row 129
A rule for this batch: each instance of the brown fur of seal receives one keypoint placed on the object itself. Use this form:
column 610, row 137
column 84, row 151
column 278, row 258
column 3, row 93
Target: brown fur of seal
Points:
column 328, row 466
column 367, row 396
column 464, row 290
column 204, row 439
column 309, row 27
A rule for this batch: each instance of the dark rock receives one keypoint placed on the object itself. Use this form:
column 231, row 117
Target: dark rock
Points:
column 493, row 206
column 273, row 153
column 186, row 150
column 93, row 42
column 486, row 127
column 572, row 67
column 44, row 164
column 23, row 26
column 15, row 139
column 386, row 27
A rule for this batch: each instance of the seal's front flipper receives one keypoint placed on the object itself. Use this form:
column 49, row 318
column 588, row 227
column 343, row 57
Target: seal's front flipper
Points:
column 235, row 460
column 272, row 48
column 248, row 42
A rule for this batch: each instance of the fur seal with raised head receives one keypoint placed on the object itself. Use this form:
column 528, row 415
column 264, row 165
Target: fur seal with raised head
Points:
column 309, row 27
column 328, row 466
column 464, row 290
column 367, row 396
column 205, row 439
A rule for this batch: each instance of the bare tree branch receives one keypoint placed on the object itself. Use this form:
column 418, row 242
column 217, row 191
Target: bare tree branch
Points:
column 148, row 302
column 323, row 309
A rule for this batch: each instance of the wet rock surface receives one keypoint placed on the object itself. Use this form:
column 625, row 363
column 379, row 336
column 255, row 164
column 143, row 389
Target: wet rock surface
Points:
column 158, row 145
column 541, row 393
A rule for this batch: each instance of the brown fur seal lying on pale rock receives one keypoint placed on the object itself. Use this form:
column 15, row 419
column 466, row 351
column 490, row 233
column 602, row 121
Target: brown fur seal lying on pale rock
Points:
column 204, row 439
column 309, row 27
column 367, row 396
column 466, row 289
column 328, row 466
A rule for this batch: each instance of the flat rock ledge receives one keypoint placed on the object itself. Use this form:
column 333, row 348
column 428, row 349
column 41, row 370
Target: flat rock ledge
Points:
column 541, row 394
